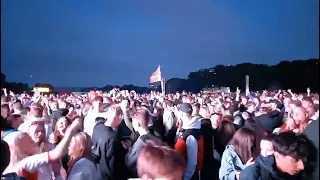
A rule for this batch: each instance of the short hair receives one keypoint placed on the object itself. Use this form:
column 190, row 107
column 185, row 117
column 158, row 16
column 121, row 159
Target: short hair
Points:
column 309, row 99
column 291, row 144
column 196, row 105
column 143, row 117
column 268, row 137
column 159, row 161
column 296, row 103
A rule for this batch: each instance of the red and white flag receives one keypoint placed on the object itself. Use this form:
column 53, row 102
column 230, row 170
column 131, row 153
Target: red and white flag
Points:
column 156, row 76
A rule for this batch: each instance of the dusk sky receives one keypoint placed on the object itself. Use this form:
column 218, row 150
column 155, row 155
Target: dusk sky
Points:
column 82, row 43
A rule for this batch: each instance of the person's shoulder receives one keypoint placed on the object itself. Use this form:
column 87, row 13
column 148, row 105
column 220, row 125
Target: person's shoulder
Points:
column 83, row 167
column 251, row 172
column 103, row 132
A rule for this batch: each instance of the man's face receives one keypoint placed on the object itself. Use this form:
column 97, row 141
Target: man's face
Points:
column 299, row 115
column 286, row 102
column 306, row 104
column 266, row 148
column 251, row 108
column 244, row 101
column 288, row 164
column 273, row 106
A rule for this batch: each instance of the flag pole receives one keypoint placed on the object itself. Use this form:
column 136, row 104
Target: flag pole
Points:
column 163, row 86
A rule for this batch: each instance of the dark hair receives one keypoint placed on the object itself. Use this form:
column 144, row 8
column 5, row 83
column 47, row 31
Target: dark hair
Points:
column 196, row 105
column 268, row 137
column 250, row 124
column 99, row 119
column 4, row 124
column 5, row 155
column 12, row 118
column 291, row 144
column 56, row 133
column 244, row 143
column 226, row 130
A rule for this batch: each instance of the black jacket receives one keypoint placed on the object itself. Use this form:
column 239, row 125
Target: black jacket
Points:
column 134, row 151
column 312, row 134
column 264, row 169
column 108, row 152
column 276, row 115
column 268, row 123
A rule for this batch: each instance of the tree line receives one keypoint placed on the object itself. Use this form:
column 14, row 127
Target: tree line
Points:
column 295, row 75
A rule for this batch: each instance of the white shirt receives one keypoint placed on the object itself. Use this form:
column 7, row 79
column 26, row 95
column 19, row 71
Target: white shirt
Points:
column 38, row 162
column 90, row 121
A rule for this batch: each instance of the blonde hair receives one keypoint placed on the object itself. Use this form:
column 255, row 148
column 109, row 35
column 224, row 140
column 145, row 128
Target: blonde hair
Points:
column 169, row 120
column 82, row 148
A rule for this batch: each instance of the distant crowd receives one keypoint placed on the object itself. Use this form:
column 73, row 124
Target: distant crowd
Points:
column 120, row 135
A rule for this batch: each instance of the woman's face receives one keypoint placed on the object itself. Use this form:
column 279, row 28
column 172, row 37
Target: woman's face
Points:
column 215, row 120
column 37, row 132
column 266, row 148
column 62, row 125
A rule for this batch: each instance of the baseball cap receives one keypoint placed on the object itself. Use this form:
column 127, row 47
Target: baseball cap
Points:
column 186, row 108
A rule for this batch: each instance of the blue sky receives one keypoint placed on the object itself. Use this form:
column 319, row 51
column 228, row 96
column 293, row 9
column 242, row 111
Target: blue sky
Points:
column 99, row 42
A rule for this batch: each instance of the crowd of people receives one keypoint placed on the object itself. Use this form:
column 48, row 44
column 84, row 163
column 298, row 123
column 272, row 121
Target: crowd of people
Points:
column 121, row 135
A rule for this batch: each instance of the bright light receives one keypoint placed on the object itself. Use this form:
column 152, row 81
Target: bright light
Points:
column 41, row 89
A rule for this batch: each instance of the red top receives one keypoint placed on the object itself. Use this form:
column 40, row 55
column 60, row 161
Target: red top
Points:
column 181, row 148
